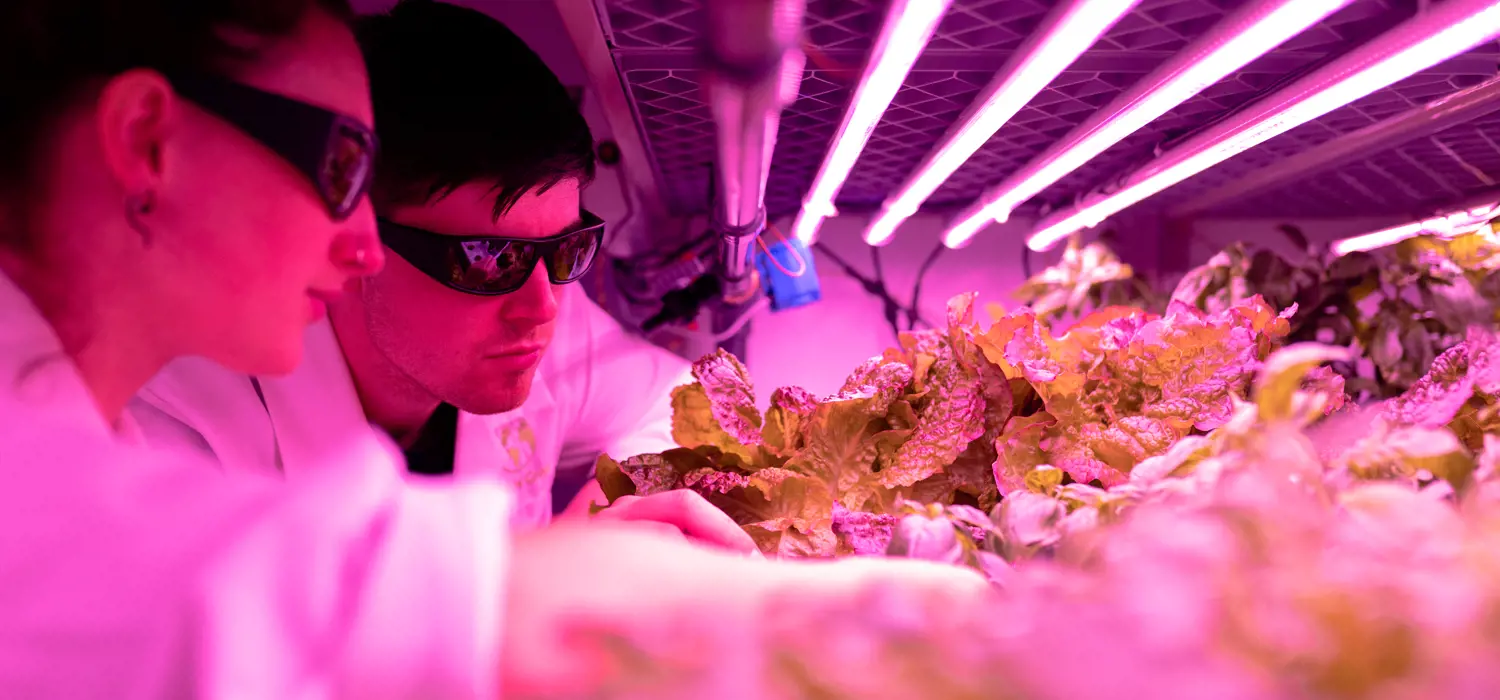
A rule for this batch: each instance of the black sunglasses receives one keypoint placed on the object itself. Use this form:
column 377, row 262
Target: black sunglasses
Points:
column 492, row 265
column 335, row 151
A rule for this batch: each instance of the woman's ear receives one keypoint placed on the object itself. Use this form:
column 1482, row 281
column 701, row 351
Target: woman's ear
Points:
column 137, row 112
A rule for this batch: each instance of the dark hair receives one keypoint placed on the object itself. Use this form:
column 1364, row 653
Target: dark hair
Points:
column 460, row 99
column 51, row 49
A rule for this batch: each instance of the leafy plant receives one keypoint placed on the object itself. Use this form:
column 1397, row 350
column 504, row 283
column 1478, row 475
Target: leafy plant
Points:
column 812, row 476
column 1398, row 307
column 1261, row 559
column 956, row 417
column 1089, row 276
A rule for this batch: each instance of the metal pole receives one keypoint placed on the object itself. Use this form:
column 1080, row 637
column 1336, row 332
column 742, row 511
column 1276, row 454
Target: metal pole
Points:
column 755, row 68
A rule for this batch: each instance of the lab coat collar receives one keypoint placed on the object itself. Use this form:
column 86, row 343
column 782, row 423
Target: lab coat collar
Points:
column 222, row 408
column 36, row 373
column 315, row 411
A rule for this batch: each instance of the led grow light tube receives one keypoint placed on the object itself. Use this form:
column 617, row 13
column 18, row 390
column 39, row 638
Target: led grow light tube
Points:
column 908, row 27
column 1228, row 47
column 1441, row 32
column 1068, row 31
column 1455, row 224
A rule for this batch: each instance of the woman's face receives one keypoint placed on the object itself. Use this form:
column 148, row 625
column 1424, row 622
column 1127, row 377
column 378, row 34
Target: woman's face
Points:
column 243, row 248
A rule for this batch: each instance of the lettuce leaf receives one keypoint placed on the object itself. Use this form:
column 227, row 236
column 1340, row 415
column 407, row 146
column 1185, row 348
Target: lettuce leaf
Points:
column 956, row 417
column 726, row 384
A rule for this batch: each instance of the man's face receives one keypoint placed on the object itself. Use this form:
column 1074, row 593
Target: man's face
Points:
column 478, row 353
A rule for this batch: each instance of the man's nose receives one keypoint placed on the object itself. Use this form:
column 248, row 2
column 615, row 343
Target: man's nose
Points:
column 535, row 301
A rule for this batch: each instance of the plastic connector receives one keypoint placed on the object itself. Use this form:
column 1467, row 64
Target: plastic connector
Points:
column 788, row 275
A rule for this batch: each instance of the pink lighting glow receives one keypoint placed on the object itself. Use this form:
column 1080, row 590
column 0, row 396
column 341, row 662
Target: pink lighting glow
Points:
column 1071, row 31
column 1441, row 32
column 1233, row 44
column 908, row 27
column 1455, row 224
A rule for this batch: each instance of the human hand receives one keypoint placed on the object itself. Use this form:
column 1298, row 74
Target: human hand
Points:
column 685, row 512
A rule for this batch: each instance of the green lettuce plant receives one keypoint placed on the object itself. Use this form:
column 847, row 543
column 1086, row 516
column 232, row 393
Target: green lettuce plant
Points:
column 1269, row 557
column 1087, row 277
column 955, row 417
column 1397, row 307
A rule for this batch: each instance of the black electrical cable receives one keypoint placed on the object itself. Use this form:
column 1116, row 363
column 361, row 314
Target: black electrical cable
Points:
column 916, row 289
column 682, row 305
column 892, row 308
column 1026, row 260
column 865, row 282
column 873, row 287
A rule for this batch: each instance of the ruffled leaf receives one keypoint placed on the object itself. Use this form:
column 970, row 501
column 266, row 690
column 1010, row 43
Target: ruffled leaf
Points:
column 787, row 513
column 1020, row 450
column 653, row 474
column 1437, row 397
column 695, row 425
column 786, row 420
column 862, row 533
column 951, row 420
column 1283, row 376
column 880, row 380
column 726, row 383
column 841, row 451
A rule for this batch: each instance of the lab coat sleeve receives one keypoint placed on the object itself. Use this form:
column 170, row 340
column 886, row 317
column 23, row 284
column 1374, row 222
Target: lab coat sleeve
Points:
column 615, row 385
column 141, row 574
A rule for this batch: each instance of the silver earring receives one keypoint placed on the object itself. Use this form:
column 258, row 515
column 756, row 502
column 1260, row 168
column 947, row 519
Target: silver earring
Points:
column 356, row 261
column 137, row 207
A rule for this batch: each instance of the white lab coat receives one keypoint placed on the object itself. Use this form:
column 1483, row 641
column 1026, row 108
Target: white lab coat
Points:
column 131, row 573
column 598, row 390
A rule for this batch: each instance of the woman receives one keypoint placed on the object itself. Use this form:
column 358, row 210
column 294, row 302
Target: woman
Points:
column 174, row 194
column 186, row 177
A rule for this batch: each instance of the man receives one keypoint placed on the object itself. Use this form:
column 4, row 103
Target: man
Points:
column 471, row 348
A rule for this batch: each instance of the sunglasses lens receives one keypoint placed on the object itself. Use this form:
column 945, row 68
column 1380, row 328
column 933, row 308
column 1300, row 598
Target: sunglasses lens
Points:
column 573, row 256
column 491, row 266
column 347, row 168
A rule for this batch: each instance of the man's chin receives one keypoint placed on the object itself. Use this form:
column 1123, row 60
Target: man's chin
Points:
column 491, row 407
column 500, row 396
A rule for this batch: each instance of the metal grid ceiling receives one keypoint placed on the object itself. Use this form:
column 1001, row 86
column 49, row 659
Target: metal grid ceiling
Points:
column 654, row 43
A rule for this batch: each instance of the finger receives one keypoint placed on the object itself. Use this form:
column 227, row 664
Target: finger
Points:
column 621, row 510
column 620, row 504
column 587, row 497
column 662, row 530
column 696, row 517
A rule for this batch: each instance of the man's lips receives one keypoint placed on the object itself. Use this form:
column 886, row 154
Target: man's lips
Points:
column 518, row 351
column 520, row 357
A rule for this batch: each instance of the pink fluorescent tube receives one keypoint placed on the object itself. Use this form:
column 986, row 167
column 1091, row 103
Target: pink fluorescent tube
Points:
column 1067, row 32
column 1441, row 32
column 908, row 27
column 1454, row 224
column 1233, row 43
